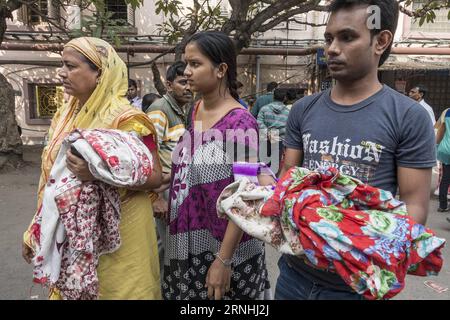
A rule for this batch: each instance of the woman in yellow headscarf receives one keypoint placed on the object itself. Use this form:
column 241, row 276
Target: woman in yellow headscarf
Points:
column 96, row 79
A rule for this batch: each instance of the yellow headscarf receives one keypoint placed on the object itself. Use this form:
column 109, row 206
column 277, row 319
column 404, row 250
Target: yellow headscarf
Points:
column 107, row 107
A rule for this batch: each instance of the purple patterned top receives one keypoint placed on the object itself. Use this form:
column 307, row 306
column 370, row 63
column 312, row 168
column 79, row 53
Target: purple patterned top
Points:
column 202, row 166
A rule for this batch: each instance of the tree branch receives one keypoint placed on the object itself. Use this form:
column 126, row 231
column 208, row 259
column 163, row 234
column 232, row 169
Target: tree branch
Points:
column 274, row 10
column 286, row 15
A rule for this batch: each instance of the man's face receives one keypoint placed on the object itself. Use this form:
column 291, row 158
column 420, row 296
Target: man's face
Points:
column 179, row 90
column 349, row 48
column 415, row 94
column 132, row 92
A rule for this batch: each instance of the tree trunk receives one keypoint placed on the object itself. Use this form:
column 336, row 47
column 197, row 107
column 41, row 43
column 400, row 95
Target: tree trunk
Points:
column 10, row 142
column 157, row 82
column 6, row 9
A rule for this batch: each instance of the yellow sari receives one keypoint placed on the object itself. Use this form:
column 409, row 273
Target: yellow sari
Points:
column 131, row 272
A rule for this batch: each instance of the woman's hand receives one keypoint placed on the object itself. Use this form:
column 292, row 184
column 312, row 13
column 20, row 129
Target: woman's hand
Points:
column 160, row 208
column 78, row 167
column 27, row 253
column 218, row 280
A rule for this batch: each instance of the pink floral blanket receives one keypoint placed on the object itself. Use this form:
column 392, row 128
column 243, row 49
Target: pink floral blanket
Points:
column 77, row 221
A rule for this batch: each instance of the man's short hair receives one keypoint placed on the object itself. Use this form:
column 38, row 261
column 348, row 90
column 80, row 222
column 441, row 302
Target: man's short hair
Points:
column 175, row 70
column 279, row 95
column 148, row 99
column 132, row 83
column 271, row 86
column 389, row 11
column 422, row 89
column 291, row 94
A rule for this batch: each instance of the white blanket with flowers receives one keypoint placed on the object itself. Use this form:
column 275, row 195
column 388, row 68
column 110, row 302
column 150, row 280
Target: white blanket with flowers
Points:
column 77, row 221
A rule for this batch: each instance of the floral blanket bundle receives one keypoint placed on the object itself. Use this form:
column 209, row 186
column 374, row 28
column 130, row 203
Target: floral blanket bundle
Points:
column 338, row 224
column 78, row 221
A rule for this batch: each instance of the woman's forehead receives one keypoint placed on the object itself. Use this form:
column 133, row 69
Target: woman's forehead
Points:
column 192, row 51
column 71, row 53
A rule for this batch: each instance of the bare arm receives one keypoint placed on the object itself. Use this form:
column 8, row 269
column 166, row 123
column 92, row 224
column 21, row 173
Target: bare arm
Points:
column 219, row 276
column 414, row 186
column 80, row 168
column 155, row 179
column 165, row 183
column 260, row 121
column 292, row 158
column 440, row 133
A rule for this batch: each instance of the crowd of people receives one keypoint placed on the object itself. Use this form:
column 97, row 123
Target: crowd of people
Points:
column 174, row 245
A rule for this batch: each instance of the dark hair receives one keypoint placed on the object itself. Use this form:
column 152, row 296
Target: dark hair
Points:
column 148, row 99
column 92, row 65
column 389, row 11
column 422, row 89
column 271, row 86
column 132, row 83
column 291, row 94
column 219, row 48
column 175, row 70
column 279, row 95
column 239, row 84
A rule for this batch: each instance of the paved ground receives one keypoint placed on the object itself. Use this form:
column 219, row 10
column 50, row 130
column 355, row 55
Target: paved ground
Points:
column 17, row 204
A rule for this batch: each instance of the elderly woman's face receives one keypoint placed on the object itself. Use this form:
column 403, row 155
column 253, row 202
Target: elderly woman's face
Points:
column 79, row 80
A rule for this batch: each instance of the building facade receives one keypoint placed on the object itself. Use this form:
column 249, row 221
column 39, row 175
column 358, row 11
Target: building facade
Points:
column 33, row 74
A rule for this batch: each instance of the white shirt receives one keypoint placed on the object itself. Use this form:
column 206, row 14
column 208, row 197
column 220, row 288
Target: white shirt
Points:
column 136, row 102
column 430, row 111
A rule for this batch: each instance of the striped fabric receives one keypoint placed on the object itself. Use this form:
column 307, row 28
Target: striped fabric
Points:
column 274, row 117
column 169, row 121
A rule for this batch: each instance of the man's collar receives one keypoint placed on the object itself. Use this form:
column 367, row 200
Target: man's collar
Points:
column 173, row 103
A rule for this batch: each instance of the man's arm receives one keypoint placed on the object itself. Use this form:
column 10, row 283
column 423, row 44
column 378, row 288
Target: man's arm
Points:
column 440, row 133
column 260, row 120
column 414, row 187
column 292, row 158
column 255, row 109
column 159, row 120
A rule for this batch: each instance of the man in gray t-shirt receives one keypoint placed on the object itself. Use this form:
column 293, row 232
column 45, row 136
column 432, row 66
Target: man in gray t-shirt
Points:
column 367, row 140
column 363, row 128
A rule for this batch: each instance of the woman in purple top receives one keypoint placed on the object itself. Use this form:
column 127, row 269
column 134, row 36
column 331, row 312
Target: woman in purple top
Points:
column 208, row 256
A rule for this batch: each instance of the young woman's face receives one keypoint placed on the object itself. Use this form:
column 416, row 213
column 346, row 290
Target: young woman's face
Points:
column 202, row 76
column 79, row 80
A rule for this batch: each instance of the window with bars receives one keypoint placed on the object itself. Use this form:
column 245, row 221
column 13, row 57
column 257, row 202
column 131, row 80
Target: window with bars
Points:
column 33, row 13
column 45, row 99
column 119, row 9
column 436, row 82
column 441, row 23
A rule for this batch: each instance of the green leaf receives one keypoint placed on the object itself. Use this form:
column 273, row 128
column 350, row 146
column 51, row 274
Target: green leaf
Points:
column 422, row 20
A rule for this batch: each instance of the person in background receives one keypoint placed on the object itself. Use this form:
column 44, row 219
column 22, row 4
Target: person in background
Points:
column 439, row 122
column 418, row 93
column 148, row 99
column 443, row 155
column 168, row 115
column 264, row 99
column 272, row 120
column 291, row 97
column 240, row 89
column 132, row 94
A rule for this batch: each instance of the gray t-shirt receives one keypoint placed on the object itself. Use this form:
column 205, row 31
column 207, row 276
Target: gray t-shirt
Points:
column 368, row 141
